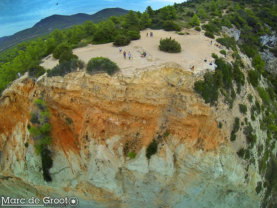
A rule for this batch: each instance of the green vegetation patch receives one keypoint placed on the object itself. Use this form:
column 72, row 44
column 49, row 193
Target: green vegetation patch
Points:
column 151, row 149
column 170, row 45
column 66, row 67
column 40, row 132
column 101, row 64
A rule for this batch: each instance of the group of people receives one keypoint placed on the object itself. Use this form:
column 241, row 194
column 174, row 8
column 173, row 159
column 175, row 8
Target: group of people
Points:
column 211, row 63
column 124, row 53
column 151, row 34
column 143, row 54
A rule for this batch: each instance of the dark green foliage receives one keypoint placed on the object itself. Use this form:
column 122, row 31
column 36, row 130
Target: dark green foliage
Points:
column 197, row 28
column 250, row 135
column 223, row 52
column 34, row 118
column 26, row 144
column 254, row 77
column 101, row 64
column 47, row 163
column 169, row 25
column 220, row 125
column 211, row 28
column 66, row 67
column 242, row 108
column 61, row 49
column 228, row 42
column 151, row 149
column 235, row 129
column 258, row 63
column 264, row 95
column 214, row 56
column 250, row 98
column 40, row 132
column 121, row 40
column 105, row 33
column 68, row 121
column 241, row 153
column 133, row 34
column 36, row 71
column 250, row 51
column 170, row 45
column 209, row 34
column 168, row 13
column 194, row 21
column 207, row 88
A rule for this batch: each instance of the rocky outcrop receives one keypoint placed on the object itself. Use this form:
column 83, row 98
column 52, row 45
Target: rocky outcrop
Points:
column 195, row 165
column 269, row 40
column 270, row 61
column 232, row 32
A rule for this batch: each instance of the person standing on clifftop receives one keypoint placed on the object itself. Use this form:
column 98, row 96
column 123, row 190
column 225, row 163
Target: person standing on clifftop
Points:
column 120, row 49
column 124, row 54
column 129, row 55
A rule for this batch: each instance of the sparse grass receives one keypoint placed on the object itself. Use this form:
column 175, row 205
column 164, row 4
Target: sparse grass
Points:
column 132, row 155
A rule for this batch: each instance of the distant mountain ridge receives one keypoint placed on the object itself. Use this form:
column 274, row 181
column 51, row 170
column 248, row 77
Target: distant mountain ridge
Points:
column 53, row 22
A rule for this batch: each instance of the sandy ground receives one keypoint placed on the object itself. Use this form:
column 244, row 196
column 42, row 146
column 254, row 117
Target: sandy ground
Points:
column 195, row 48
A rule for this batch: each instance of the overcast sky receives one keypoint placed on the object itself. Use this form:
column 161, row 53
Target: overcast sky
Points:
column 16, row 15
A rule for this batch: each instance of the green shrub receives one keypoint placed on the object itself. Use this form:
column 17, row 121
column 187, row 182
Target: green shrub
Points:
column 250, row 98
column 264, row 95
column 131, row 155
column 65, row 68
column 209, row 34
column 181, row 33
column 63, row 52
column 236, row 126
column 121, row 40
column 34, row 118
column 133, row 34
column 47, row 163
column 207, row 88
column 35, row 131
column 151, row 149
column 36, row 71
column 258, row 63
column 220, row 125
column 241, row 153
column 214, row 56
column 170, row 45
column 228, row 42
column 249, row 132
column 242, row 108
column 223, row 52
column 101, row 64
column 197, row 28
column 171, row 26
column 211, row 28
column 254, row 77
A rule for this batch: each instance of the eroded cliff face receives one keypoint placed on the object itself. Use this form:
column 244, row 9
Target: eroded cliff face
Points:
column 93, row 117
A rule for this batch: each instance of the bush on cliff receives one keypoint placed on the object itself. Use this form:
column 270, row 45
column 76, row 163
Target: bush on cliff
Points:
column 170, row 45
column 151, row 149
column 65, row 68
column 101, row 64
